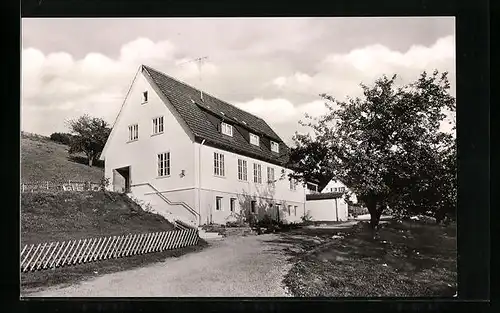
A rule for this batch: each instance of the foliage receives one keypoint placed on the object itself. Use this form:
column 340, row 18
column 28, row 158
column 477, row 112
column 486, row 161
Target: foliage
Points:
column 104, row 183
column 306, row 218
column 89, row 136
column 386, row 146
column 63, row 138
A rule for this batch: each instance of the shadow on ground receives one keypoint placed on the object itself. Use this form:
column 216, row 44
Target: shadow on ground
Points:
column 409, row 259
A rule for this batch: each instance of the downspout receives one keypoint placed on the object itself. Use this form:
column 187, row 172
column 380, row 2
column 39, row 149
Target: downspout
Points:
column 336, row 210
column 199, row 180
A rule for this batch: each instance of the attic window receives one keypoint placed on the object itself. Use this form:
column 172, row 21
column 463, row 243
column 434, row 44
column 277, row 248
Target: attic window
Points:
column 275, row 147
column 254, row 139
column 144, row 97
column 227, row 129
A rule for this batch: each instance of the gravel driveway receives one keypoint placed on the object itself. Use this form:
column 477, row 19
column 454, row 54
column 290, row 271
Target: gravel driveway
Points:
column 236, row 266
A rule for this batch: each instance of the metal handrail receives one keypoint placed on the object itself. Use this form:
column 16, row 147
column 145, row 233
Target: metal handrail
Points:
column 182, row 203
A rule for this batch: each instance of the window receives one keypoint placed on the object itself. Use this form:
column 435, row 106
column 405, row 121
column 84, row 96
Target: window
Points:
column 293, row 184
column 133, row 132
column 232, row 204
column 218, row 203
column 254, row 139
column 164, row 164
column 270, row 175
column 257, row 173
column 289, row 210
column 275, row 147
column 227, row 129
column 144, row 97
column 253, row 206
column 218, row 164
column 158, row 125
column 242, row 170
column 342, row 189
column 295, row 209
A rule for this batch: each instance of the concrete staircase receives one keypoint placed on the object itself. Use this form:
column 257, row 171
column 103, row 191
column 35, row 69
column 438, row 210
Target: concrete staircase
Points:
column 208, row 236
column 177, row 221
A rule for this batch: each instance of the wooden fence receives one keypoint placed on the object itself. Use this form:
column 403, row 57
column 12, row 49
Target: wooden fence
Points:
column 60, row 186
column 66, row 253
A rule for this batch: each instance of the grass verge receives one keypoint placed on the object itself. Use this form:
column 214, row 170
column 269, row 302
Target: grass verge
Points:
column 33, row 281
column 45, row 160
column 66, row 215
column 410, row 259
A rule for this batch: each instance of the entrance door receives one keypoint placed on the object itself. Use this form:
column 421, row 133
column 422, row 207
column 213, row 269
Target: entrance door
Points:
column 121, row 179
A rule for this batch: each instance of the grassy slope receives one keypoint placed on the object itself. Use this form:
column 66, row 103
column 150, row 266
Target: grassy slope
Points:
column 410, row 259
column 45, row 160
column 58, row 216
column 73, row 215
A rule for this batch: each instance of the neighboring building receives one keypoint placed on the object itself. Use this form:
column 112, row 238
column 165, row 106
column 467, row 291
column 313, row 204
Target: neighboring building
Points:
column 337, row 186
column 311, row 188
column 196, row 158
column 329, row 206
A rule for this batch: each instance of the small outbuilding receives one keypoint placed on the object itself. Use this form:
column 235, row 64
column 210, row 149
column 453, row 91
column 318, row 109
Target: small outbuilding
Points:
column 329, row 206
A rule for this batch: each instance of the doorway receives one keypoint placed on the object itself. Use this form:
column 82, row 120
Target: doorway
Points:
column 121, row 179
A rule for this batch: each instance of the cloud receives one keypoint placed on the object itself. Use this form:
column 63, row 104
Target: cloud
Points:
column 340, row 74
column 260, row 76
column 95, row 84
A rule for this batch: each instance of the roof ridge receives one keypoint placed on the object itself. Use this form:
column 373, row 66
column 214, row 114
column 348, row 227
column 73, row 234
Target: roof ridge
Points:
column 205, row 93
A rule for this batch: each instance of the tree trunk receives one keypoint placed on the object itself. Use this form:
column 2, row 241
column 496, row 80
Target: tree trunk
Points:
column 90, row 157
column 375, row 212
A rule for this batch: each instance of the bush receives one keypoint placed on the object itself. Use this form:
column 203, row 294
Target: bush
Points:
column 103, row 183
column 63, row 138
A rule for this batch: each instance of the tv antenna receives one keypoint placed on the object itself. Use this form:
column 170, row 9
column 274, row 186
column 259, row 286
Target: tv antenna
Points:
column 200, row 62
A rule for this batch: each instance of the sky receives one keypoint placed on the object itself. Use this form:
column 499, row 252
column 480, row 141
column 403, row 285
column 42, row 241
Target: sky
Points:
column 274, row 68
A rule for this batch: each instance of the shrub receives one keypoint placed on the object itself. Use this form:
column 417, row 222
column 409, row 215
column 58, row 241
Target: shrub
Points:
column 63, row 138
column 104, row 183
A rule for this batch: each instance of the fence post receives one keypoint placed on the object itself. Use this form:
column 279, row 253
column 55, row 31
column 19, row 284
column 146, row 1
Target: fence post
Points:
column 23, row 187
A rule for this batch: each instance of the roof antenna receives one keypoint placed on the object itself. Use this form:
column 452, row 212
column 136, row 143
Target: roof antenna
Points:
column 200, row 63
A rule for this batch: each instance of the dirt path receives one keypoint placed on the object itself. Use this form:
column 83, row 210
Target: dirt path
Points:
column 237, row 266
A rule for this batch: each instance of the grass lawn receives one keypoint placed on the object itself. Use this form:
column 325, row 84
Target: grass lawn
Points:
column 410, row 259
column 45, row 160
column 67, row 215
column 58, row 216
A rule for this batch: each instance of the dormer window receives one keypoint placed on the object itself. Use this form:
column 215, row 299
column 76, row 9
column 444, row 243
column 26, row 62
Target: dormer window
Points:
column 227, row 129
column 275, row 147
column 144, row 97
column 254, row 139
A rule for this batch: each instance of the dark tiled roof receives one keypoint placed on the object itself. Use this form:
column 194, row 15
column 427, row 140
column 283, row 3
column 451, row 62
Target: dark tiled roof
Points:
column 321, row 196
column 203, row 117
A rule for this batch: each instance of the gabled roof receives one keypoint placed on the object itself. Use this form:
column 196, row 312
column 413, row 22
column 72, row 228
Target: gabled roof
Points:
column 322, row 196
column 203, row 114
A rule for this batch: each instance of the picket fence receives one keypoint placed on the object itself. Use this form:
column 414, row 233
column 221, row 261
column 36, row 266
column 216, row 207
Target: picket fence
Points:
column 60, row 186
column 72, row 252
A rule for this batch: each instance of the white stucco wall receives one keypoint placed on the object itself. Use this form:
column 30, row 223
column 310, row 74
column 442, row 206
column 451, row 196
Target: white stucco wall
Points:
column 141, row 155
column 324, row 210
column 336, row 184
column 230, row 186
column 198, row 187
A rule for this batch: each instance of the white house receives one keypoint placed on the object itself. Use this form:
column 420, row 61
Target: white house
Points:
column 196, row 158
column 337, row 186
